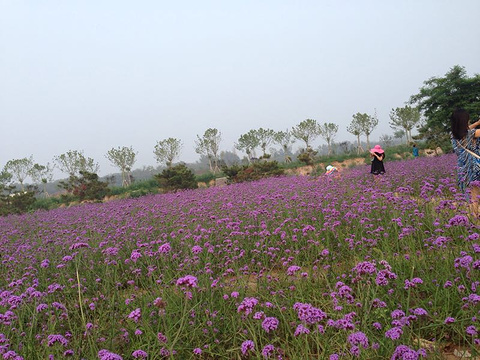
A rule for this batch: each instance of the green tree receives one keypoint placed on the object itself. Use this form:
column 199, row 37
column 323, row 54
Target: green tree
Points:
column 437, row 99
column 166, row 151
column 86, row 186
column 284, row 139
column 20, row 169
column 73, row 162
column 307, row 156
column 255, row 171
column 248, row 142
column 405, row 118
column 123, row 158
column 306, row 131
column 209, row 145
column 17, row 202
column 229, row 158
column 265, row 138
column 42, row 174
column 386, row 139
column 328, row 131
column 355, row 128
column 5, row 188
column 177, row 177
column 399, row 134
column 368, row 123
column 5, row 178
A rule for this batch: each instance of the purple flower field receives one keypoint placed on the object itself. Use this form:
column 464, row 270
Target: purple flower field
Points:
column 364, row 267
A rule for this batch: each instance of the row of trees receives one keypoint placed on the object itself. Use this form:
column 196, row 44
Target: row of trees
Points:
column 167, row 151
column 73, row 163
column 435, row 101
column 208, row 145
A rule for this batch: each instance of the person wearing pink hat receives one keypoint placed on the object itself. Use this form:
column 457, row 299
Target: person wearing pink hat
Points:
column 378, row 155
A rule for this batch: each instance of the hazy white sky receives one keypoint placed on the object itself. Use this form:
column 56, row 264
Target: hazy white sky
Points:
column 92, row 75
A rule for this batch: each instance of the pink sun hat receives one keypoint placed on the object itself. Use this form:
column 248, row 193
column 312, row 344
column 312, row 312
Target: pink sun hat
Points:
column 377, row 149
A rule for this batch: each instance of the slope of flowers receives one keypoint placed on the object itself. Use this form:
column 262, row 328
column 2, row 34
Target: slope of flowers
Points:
column 283, row 268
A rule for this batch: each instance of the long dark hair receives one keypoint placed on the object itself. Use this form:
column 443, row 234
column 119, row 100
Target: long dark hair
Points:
column 459, row 121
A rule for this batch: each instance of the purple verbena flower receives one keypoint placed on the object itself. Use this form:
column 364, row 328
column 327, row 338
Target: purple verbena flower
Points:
column 471, row 330
column 107, row 355
column 247, row 346
column 197, row 249
column 139, row 354
column 247, row 305
column 165, row 248
column 188, row 281
column 458, row 220
column 394, row 333
column 449, row 320
column 135, row 315
column 403, row 352
column 293, row 269
column 308, row 313
column 268, row 350
column 270, row 324
column 358, row 338
column 301, row 330
column 419, row 311
column 52, row 339
column 162, row 338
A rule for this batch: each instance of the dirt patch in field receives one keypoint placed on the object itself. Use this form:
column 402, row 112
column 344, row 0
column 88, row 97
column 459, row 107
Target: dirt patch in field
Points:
column 320, row 167
column 455, row 352
column 302, row 171
column 349, row 163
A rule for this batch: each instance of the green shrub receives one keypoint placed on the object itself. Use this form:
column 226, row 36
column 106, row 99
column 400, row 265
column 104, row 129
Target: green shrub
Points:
column 206, row 177
column 178, row 177
column 142, row 192
column 258, row 170
column 149, row 186
column 47, row 203
column 307, row 156
column 231, row 172
column 16, row 203
column 87, row 186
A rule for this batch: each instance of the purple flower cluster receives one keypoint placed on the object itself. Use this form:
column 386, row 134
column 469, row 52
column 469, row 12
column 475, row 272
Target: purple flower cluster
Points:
column 270, row 324
column 135, row 315
column 247, row 305
column 189, row 281
column 247, row 346
column 403, row 352
column 308, row 313
column 107, row 355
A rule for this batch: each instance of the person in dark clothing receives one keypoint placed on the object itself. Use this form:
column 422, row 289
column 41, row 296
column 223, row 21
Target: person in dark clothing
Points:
column 378, row 155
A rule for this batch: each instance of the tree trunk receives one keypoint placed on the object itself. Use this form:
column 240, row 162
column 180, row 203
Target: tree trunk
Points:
column 210, row 164
column 359, row 146
column 215, row 168
column 124, row 180
column 368, row 141
column 45, row 190
column 249, row 156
